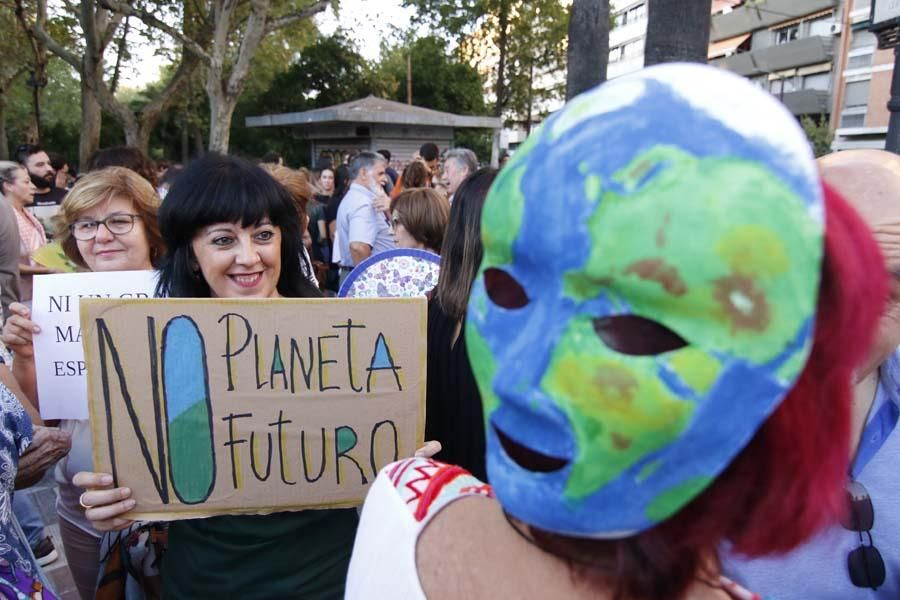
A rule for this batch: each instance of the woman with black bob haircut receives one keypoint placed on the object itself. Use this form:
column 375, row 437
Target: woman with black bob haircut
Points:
column 216, row 189
column 232, row 232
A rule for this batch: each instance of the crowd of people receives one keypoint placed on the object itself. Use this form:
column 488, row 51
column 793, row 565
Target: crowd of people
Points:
column 660, row 364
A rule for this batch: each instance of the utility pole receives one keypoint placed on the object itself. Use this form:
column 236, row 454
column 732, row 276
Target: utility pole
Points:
column 409, row 78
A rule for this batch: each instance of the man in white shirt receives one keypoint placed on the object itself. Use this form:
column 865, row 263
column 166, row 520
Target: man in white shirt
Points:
column 362, row 230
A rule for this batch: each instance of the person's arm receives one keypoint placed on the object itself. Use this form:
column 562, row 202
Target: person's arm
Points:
column 362, row 232
column 323, row 229
column 48, row 445
column 359, row 251
column 18, row 331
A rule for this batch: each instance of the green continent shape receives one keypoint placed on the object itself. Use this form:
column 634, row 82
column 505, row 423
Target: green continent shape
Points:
column 665, row 505
column 502, row 215
column 190, row 453
column 725, row 254
column 484, row 367
column 618, row 407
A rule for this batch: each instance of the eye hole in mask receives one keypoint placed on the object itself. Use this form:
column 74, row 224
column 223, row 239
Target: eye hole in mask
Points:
column 637, row 336
column 504, row 290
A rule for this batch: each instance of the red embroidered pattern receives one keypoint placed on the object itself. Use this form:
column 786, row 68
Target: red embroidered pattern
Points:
column 423, row 484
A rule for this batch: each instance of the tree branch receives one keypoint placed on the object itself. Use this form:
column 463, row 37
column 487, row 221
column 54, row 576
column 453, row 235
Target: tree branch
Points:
column 109, row 31
column 57, row 48
column 129, row 11
column 123, row 47
column 7, row 81
column 169, row 94
column 253, row 34
column 277, row 23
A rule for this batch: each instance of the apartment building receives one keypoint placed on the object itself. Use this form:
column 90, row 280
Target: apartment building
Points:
column 859, row 116
column 785, row 46
column 626, row 38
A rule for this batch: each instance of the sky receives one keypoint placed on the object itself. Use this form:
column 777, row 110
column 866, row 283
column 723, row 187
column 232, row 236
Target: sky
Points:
column 366, row 21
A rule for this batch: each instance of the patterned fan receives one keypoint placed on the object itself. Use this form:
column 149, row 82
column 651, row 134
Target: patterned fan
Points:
column 401, row 273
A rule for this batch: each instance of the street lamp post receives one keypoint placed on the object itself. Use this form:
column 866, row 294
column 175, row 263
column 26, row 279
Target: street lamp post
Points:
column 884, row 22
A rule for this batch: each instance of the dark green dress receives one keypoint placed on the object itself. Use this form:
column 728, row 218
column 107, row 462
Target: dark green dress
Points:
column 283, row 555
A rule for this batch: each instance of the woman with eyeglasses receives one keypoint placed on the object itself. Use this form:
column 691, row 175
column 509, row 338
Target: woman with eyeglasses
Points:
column 107, row 222
column 419, row 219
column 17, row 188
column 233, row 232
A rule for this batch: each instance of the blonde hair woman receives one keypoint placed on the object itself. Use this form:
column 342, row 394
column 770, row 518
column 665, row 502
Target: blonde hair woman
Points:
column 107, row 222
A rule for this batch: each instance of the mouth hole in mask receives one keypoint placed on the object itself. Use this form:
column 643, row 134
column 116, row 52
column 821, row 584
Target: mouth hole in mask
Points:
column 637, row 336
column 527, row 458
column 503, row 289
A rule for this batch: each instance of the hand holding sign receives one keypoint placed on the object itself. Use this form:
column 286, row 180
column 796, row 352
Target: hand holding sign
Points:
column 249, row 406
column 18, row 331
column 102, row 503
column 59, row 364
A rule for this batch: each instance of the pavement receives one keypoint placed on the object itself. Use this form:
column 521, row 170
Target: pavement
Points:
column 57, row 572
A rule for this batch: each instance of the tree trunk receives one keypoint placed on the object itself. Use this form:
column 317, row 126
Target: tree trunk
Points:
column 198, row 143
column 221, row 109
column 588, row 51
column 185, row 144
column 4, row 137
column 38, row 67
column 530, row 97
column 677, row 31
column 89, row 142
column 501, row 61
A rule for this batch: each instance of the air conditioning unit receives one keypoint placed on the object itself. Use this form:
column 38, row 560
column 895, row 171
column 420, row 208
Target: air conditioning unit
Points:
column 834, row 28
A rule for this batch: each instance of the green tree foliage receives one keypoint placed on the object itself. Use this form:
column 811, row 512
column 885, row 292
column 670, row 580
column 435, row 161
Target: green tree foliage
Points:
column 331, row 71
column 60, row 119
column 439, row 80
column 520, row 44
column 819, row 134
column 536, row 58
column 328, row 71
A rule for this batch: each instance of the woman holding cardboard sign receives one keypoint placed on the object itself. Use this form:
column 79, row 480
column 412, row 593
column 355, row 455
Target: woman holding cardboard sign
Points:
column 233, row 232
column 107, row 223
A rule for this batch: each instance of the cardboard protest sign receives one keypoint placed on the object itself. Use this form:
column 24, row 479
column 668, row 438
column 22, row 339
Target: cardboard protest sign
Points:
column 58, row 354
column 206, row 407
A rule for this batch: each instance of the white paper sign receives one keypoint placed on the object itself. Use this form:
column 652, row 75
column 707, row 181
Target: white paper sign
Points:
column 58, row 353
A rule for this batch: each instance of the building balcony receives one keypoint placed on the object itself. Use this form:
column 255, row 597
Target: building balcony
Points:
column 626, row 33
column 807, row 51
column 624, row 66
column 806, row 102
column 749, row 17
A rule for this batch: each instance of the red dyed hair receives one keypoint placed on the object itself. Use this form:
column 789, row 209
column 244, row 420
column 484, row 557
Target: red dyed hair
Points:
column 789, row 480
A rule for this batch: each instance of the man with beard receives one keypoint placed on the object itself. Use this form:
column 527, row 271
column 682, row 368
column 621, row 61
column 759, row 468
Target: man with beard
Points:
column 36, row 160
column 362, row 230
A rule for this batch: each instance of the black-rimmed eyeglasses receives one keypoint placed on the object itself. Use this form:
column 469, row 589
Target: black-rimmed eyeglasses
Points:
column 117, row 224
column 865, row 564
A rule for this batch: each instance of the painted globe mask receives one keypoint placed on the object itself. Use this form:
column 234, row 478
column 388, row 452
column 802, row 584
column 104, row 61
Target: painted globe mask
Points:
column 646, row 299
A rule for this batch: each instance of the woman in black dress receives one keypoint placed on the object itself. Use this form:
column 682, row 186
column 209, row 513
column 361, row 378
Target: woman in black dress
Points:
column 454, row 416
